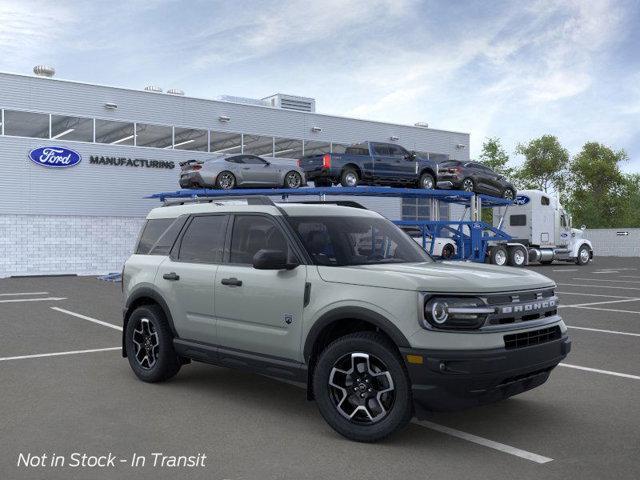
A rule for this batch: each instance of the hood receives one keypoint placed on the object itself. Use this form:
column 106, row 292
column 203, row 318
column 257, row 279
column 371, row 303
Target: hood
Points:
column 443, row 277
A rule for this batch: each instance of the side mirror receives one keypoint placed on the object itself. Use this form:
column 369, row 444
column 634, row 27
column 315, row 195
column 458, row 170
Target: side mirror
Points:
column 410, row 156
column 272, row 260
column 583, row 227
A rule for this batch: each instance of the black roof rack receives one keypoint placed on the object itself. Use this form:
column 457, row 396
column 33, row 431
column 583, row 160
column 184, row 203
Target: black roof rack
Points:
column 340, row 203
column 250, row 199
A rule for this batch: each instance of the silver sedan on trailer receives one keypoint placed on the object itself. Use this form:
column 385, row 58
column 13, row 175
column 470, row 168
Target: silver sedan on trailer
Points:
column 231, row 171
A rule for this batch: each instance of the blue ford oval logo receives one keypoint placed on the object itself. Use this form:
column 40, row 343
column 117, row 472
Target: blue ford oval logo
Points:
column 56, row 157
column 521, row 200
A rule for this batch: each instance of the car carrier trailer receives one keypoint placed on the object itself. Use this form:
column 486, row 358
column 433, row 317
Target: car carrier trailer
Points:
column 474, row 239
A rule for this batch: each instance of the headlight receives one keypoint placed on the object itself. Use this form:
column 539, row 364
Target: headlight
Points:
column 455, row 313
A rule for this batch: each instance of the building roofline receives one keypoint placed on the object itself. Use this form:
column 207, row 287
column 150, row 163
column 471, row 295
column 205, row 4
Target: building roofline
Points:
column 233, row 103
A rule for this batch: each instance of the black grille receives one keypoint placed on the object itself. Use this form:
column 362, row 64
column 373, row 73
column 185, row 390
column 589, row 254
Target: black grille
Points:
column 534, row 337
column 522, row 306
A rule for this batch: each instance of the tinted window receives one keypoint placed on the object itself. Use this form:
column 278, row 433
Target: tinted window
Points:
column 381, row 149
column 252, row 160
column 252, row 233
column 397, row 151
column 357, row 151
column 151, row 232
column 517, row 220
column 544, row 200
column 235, row 159
column 26, row 124
column 168, row 238
column 203, row 242
column 342, row 241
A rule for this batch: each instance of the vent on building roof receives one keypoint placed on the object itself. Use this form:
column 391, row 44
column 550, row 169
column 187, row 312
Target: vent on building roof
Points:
column 243, row 100
column 153, row 88
column 292, row 102
column 44, row 71
column 175, row 91
column 422, row 124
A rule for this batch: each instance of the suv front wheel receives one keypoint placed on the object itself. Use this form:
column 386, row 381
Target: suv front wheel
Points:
column 149, row 345
column 362, row 388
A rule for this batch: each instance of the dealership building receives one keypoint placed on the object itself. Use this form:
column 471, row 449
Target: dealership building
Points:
column 84, row 218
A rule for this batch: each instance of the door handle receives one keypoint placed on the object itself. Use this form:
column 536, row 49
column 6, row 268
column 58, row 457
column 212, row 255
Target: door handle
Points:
column 232, row 282
column 246, row 168
column 171, row 276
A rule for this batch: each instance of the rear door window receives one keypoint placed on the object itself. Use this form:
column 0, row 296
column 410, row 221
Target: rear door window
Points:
column 203, row 241
column 151, row 232
column 381, row 150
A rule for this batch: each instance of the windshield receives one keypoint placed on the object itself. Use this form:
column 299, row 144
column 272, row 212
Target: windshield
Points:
column 345, row 241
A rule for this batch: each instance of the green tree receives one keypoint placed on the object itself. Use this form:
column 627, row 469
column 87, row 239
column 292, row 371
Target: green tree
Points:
column 599, row 192
column 495, row 157
column 545, row 165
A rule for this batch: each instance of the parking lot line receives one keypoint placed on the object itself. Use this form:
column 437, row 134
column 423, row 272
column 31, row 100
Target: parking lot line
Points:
column 596, row 303
column 89, row 319
column 592, row 294
column 534, row 457
column 596, row 286
column 22, row 293
column 608, row 310
column 57, row 354
column 604, row 331
column 43, row 299
column 597, row 370
column 605, row 280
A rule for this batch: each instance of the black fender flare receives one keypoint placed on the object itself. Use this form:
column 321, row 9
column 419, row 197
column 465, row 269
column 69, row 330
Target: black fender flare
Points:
column 137, row 294
column 352, row 313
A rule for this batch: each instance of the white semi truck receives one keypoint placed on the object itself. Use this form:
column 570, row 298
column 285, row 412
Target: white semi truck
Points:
column 541, row 232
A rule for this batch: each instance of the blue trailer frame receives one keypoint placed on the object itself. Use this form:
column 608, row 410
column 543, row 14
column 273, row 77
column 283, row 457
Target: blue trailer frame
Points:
column 472, row 237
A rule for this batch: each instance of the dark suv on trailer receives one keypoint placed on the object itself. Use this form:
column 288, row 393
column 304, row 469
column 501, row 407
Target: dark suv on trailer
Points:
column 474, row 177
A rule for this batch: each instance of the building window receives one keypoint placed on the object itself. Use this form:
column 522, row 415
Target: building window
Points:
column 258, row 145
column 26, row 124
column 287, row 148
column 72, row 128
column 419, row 209
column 114, row 133
column 224, row 142
column 157, row 136
column 316, row 148
column 190, row 139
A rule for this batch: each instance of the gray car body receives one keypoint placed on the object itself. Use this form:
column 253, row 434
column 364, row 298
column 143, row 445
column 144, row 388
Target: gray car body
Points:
column 248, row 170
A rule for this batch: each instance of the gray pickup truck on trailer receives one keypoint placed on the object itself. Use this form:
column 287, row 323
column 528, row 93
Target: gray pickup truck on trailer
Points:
column 338, row 298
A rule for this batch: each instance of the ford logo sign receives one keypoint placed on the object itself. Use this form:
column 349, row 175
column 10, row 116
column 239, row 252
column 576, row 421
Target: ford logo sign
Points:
column 55, row 157
column 521, row 200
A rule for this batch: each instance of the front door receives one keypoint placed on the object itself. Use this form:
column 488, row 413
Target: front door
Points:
column 259, row 311
column 257, row 171
column 186, row 279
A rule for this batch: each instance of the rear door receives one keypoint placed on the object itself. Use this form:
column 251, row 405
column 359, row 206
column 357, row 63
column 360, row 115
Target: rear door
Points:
column 186, row 278
column 259, row 311
column 382, row 161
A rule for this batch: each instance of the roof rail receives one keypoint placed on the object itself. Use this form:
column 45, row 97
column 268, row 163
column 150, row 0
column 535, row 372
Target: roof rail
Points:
column 250, row 199
column 340, row 203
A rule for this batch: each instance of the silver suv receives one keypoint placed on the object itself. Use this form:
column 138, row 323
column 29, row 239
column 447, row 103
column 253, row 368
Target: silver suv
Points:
column 341, row 299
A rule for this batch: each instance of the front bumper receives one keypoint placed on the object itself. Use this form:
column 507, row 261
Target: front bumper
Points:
column 456, row 379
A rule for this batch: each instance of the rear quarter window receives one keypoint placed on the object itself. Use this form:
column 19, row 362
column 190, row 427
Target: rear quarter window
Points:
column 151, row 233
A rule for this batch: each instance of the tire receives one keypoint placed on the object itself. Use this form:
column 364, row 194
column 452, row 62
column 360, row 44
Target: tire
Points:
column 499, row 256
column 508, row 194
column 225, row 180
column 448, row 251
column 517, row 257
column 160, row 362
column 322, row 182
column 292, row 180
column 388, row 387
column 584, row 255
column 427, row 182
column 349, row 178
column 468, row 185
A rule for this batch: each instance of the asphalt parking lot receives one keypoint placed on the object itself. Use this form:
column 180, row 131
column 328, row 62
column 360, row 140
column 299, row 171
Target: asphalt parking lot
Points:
column 66, row 388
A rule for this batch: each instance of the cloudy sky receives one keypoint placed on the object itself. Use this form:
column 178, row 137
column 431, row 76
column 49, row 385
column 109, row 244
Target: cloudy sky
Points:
column 515, row 69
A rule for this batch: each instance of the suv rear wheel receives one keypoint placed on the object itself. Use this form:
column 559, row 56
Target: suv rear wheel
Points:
column 362, row 388
column 149, row 344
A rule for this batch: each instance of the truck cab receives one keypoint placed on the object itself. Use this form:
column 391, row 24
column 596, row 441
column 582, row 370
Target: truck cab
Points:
column 538, row 221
